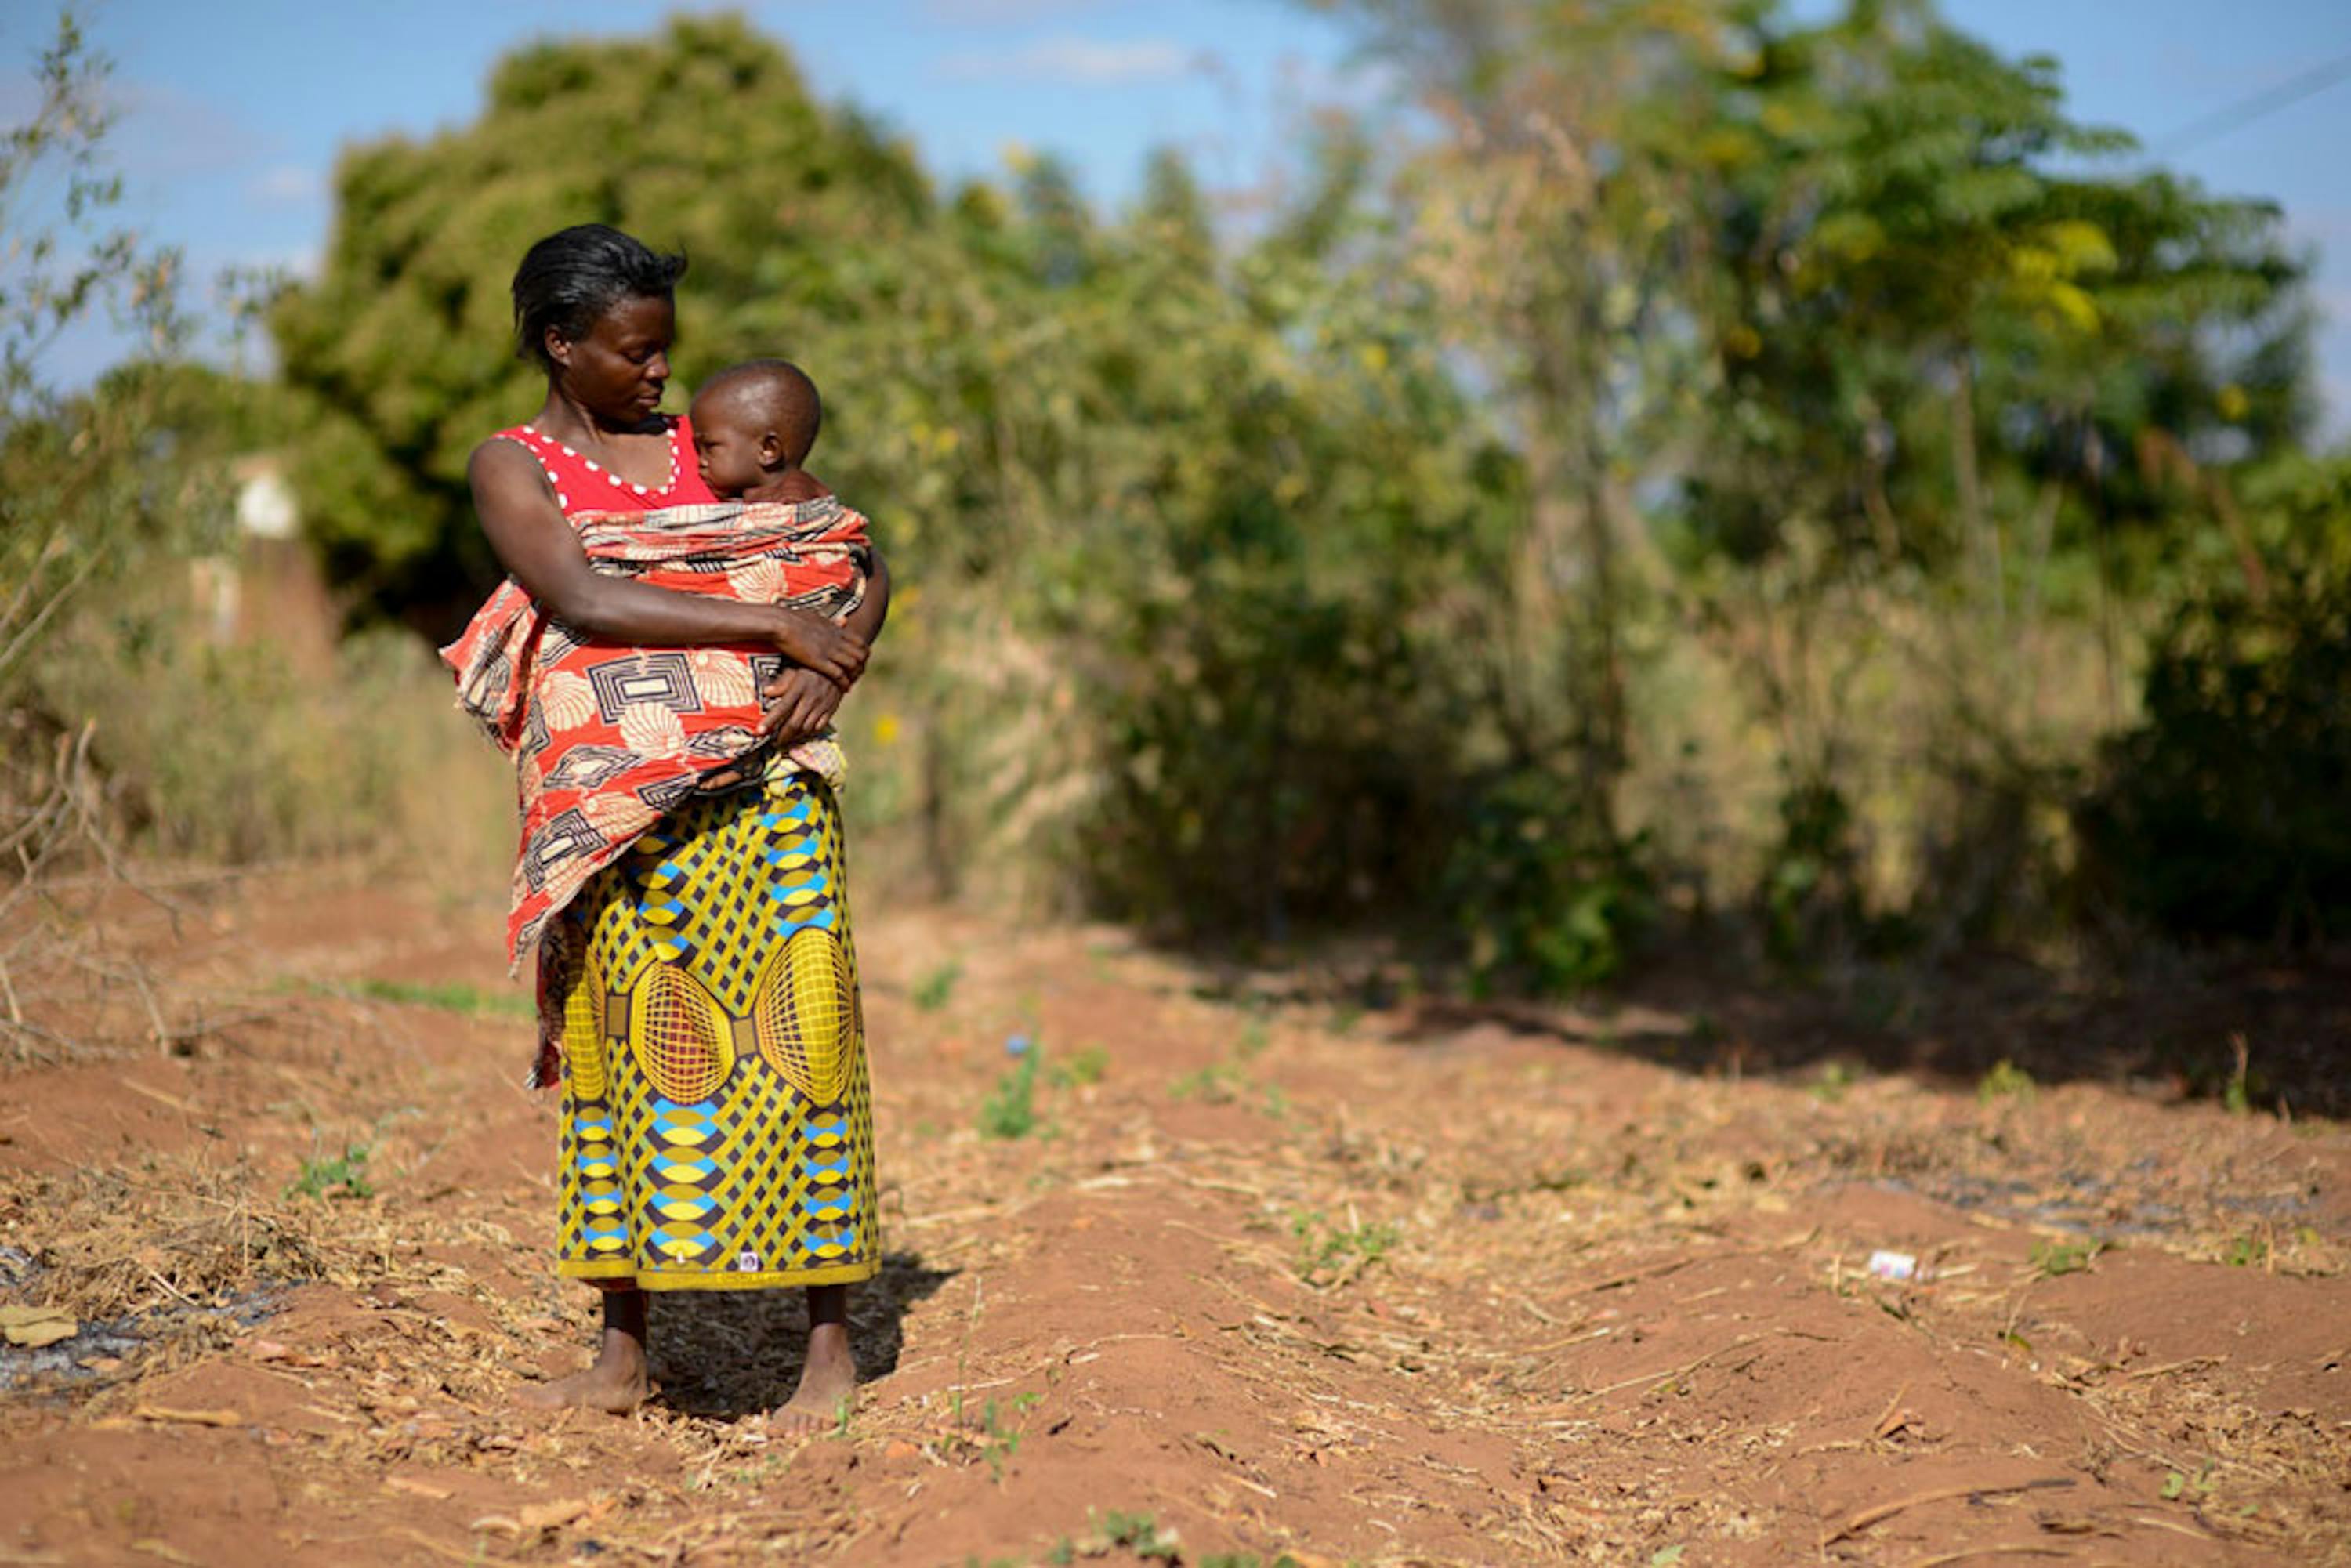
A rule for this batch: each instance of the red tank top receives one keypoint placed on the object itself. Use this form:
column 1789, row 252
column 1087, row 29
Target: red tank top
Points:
column 583, row 485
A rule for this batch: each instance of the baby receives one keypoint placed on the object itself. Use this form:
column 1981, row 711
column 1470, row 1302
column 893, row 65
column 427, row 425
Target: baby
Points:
column 754, row 424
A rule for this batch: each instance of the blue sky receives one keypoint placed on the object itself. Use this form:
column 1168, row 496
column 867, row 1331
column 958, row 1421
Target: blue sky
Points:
column 233, row 110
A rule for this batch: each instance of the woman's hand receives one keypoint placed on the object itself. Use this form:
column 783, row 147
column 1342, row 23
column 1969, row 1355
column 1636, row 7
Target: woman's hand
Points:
column 817, row 645
column 800, row 705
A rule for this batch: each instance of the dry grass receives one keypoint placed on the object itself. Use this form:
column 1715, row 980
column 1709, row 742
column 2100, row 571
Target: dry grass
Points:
column 181, row 1235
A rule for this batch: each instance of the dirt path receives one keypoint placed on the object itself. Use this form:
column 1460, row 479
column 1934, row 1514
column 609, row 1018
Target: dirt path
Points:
column 1264, row 1278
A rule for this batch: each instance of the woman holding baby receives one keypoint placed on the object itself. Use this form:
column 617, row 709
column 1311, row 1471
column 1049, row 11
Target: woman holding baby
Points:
column 682, row 876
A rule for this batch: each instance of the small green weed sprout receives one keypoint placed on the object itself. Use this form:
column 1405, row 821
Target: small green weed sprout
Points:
column 1329, row 1253
column 1010, row 1109
column 2237, row 1094
column 1137, row 1532
column 999, row 1442
column 936, row 987
column 1218, row 1084
column 1086, row 1065
column 1110, row 1533
column 1835, row 1077
column 2051, row 1259
column 2006, row 1080
column 345, row 1175
column 2179, row 1482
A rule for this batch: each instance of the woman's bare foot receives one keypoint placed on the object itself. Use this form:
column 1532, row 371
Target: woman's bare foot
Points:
column 827, row 1382
column 829, row 1379
column 616, row 1381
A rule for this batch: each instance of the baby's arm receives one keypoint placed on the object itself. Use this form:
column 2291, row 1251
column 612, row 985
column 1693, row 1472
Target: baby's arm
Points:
column 534, row 542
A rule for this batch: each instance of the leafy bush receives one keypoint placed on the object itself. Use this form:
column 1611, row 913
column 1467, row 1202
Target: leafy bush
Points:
column 1810, row 891
column 2223, row 812
column 1544, row 897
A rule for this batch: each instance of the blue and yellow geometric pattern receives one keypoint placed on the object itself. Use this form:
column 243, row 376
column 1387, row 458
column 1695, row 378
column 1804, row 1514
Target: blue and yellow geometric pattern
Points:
column 718, row 1123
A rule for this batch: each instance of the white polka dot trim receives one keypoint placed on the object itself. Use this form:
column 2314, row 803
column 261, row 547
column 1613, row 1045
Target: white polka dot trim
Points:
column 676, row 434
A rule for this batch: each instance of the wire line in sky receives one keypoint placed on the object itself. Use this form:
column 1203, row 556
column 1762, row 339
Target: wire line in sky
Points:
column 2258, row 106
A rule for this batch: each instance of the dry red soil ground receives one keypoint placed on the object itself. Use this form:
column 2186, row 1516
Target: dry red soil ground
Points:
column 1267, row 1278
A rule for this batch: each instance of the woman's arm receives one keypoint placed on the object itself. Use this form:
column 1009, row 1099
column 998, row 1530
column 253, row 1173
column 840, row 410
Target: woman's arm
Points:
column 799, row 706
column 534, row 542
column 865, row 621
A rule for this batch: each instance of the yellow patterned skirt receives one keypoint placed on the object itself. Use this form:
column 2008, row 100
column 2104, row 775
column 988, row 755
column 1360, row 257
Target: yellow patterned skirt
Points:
column 718, row 1126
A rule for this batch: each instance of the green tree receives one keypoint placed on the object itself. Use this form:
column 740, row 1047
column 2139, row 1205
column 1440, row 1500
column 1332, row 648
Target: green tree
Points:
column 703, row 137
column 1937, row 294
column 1841, row 344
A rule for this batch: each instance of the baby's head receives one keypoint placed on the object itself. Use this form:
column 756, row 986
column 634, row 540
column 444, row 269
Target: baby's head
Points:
column 752, row 423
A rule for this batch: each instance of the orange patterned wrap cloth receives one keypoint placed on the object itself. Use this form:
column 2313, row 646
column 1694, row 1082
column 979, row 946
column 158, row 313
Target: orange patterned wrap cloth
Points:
column 607, row 739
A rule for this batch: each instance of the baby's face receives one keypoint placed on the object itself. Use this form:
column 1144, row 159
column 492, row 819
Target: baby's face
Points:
column 725, row 450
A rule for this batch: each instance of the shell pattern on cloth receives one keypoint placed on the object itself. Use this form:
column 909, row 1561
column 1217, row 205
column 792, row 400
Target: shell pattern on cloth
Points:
column 566, row 700
column 652, row 729
column 757, row 582
column 722, row 677
column 615, row 814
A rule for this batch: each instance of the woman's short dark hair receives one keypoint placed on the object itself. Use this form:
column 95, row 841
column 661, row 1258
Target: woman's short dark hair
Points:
column 573, row 275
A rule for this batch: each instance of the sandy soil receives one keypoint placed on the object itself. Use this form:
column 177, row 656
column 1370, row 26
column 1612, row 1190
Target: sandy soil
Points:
column 1269, row 1277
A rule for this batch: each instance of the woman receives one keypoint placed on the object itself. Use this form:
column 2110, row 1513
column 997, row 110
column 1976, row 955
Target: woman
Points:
column 716, row 1129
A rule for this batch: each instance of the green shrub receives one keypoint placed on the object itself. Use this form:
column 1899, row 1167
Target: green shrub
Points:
column 1810, row 888
column 2223, row 812
column 1544, row 898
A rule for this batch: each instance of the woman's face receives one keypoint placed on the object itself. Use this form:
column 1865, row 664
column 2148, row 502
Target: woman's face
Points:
column 618, row 371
